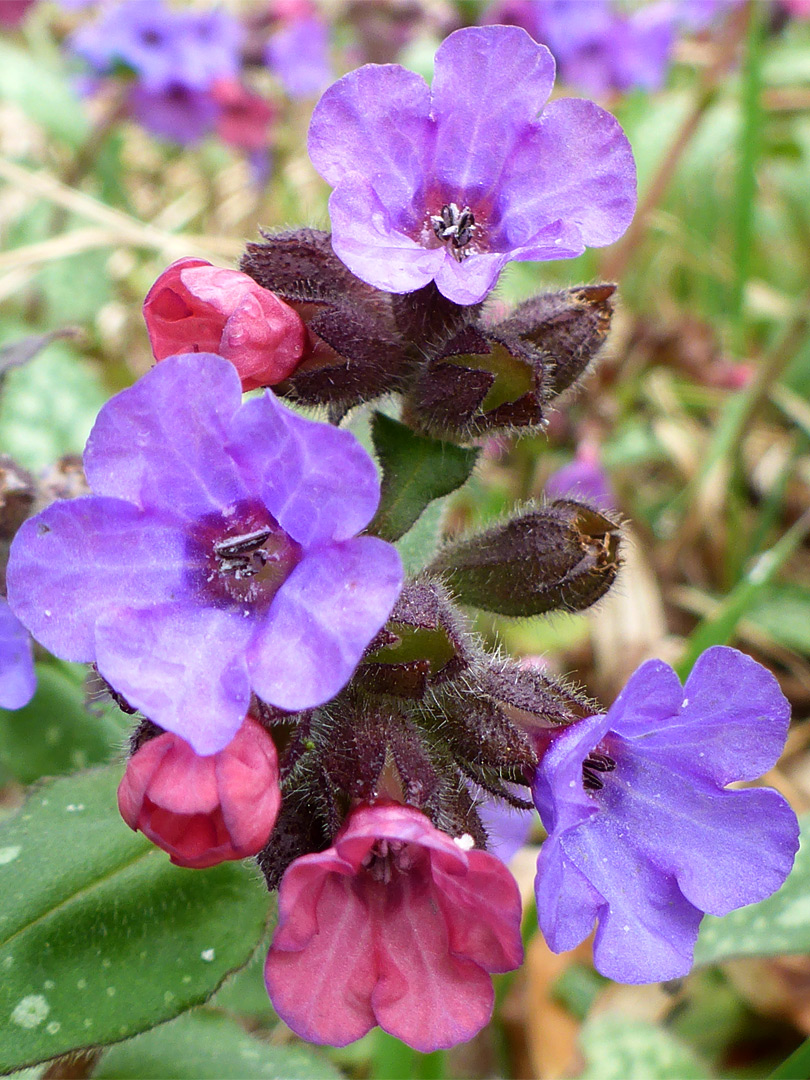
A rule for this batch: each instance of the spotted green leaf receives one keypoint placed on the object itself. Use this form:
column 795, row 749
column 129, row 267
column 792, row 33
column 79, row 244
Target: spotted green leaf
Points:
column 100, row 936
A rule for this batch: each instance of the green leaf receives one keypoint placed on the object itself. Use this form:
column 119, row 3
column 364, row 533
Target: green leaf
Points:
column 416, row 470
column 55, row 733
column 100, row 936
column 778, row 925
column 48, row 407
column 783, row 613
column 619, row 1048
column 203, row 1045
column 44, row 95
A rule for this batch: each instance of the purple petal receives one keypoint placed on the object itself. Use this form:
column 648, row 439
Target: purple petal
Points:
column 316, row 480
column 375, row 122
column 647, row 929
column 503, row 68
column 576, row 166
column 322, row 619
column 506, row 827
column 567, row 903
column 18, row 680
column 725, row 848
column 81, row 559
column 469, row 281
column 652, row 696
column 183, row 666
column 367, row 241
column 730, row 723
column 159, row 443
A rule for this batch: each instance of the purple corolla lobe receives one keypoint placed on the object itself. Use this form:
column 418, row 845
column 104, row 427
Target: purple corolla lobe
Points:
column 449, row 183
column 217, row 556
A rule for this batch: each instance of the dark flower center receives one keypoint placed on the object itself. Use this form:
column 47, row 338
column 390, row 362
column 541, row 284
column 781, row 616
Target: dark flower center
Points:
column 388, row 857
column 242, row 557
column 594, row 765
column 454, row 228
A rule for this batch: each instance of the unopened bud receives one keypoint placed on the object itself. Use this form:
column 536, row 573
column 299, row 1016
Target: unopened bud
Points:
column 564, row 555
column 569, row 327
column 196, row 307
column 480, row 381
column 203, row 810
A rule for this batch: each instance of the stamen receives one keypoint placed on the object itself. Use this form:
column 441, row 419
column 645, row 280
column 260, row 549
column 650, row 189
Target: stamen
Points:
column 455, row 228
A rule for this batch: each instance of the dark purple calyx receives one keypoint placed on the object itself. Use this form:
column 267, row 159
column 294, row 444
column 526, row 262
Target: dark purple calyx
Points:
column 241, row 558
column 454, row 228
column 595, row 765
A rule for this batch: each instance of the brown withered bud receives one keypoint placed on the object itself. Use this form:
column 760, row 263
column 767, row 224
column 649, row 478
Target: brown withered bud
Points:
column 561, row 556
column 480, row 381
column 16, row 496
column 423, row 644
column 569, row 327
column 355, row 353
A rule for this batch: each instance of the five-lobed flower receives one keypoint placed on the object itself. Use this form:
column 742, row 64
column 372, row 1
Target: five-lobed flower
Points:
column 396, row 924
column 218, row 556
column 449, row 183
column 644, row 836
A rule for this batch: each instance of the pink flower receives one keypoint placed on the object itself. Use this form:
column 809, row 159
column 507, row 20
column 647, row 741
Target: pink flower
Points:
column 196, row 307
column 397, row 924
column 204, row 810
column 245, row 118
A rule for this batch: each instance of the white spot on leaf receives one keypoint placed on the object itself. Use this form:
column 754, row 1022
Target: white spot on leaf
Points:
column 30, row 1012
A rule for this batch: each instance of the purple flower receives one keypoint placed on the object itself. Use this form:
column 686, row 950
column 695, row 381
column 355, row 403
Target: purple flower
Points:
column 600, row 48
column 218, row 554
column 185, row 116
column 449, row 184
column 582, row 479
column 163, row 47
column 643, row 835
column 298, row 53
column 18, row 679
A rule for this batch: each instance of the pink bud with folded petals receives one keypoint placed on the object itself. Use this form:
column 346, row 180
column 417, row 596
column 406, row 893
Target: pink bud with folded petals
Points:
column 396, row 924
column 203, row 810
column 196, row 307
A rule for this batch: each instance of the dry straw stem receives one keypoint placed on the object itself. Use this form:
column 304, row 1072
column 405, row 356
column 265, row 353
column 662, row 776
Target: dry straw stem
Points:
column 123, row 229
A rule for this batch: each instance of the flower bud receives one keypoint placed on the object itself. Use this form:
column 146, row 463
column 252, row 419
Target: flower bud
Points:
column 479, row 381
column 564, row 555
column 203, row 810
column 569, row 327
column 196, row 307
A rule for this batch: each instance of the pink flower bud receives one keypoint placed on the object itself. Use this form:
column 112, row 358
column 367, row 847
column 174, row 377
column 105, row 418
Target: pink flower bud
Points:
column 196, row 307
column 203, row 810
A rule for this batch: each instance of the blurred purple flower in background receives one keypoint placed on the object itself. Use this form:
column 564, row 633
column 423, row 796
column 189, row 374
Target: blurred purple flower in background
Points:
column 18, row 678
column 218, row 554
column 582, row 479
column 185, row 66
column 644, row 837
column 599, row 47
column 450, row 183
column 298, row 54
